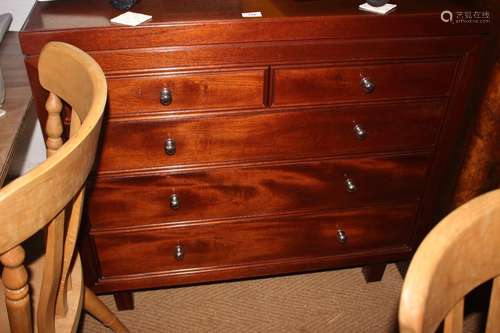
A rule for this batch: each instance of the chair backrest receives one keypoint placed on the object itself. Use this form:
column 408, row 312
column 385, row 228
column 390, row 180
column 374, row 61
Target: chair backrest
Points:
column 50, row 196
column 459, row 254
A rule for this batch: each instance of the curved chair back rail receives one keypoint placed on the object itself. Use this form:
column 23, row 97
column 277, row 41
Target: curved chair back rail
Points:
column 50, row 197
column 30, row 202
column 458, row 255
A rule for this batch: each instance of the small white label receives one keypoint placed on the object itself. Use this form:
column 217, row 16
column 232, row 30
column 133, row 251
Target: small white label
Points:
column 252, row 14
column 131, row 18
column 387, row 8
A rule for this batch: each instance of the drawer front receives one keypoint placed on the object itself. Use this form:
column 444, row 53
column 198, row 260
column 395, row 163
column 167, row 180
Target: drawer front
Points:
column 324, row 85
column 178, row 249
column 139, row 145
column 256, row 190
column 188, row 91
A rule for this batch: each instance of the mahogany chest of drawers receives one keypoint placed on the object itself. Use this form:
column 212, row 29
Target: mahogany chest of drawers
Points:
column 315, row 137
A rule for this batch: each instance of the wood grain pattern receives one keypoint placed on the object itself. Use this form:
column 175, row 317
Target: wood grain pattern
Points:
column 231, row 244
column 311, row 54
column 269, row 135
column 268, row 189
column 322, row 85
column 242, row 88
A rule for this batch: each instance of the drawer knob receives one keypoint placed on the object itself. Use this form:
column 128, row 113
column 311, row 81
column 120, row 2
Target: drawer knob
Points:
column 359, row 131
column 350, row 185
column 174, row 201
column 170, row 147
column 341, row 236
column 179, row 252
column 368, row 85
column 165, row 96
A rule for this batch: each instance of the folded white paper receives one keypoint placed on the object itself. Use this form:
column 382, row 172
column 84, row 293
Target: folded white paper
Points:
column 378, row 10
column 131, row 18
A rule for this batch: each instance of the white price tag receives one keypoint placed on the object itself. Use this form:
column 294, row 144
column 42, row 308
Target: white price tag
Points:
column 252, row 14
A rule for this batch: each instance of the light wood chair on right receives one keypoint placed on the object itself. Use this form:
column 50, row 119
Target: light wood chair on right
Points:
column 459, row 254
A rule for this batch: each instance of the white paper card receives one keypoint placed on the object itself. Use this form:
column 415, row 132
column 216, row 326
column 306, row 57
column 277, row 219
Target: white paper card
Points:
column 378, row 10
column 252, row 14
column 2, row 113
column 131, row 18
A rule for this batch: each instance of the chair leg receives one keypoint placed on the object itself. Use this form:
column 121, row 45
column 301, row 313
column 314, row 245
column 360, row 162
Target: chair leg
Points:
column 96, row 308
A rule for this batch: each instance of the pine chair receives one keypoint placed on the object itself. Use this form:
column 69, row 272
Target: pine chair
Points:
column 49, row 199
column 459, row 254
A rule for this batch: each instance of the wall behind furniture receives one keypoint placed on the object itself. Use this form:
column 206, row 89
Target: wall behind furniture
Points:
column 30, row 149
column 19, row 9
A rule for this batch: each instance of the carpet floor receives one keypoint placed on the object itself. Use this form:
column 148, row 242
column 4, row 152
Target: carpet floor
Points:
column 331, row 301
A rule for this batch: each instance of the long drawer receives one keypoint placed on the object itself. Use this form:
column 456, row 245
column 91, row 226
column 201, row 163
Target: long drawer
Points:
column 331, row 84
column 181, row 250
column 141, row 144
column 255, row 190
column 138, row 94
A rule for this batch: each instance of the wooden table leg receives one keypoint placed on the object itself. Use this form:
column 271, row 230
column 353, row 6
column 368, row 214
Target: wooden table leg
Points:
column 373, row 272
column 124, row 300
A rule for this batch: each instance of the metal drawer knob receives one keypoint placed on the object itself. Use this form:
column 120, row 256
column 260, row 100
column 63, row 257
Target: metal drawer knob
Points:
column 174, row 201
column 341, row 236
column 367, row 85
column 165, row 96
column 179, row 252
column 359, row 131
column 170, row 147
column 350, row 185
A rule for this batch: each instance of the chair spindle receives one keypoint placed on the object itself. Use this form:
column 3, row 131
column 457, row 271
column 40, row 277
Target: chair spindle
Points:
column 17, row 298
column 54, row 125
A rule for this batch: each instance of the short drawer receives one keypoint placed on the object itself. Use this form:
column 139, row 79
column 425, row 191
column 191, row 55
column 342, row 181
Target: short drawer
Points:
column 332, row 84
column 243, row 88
column 144, row 144
column 255, row 190
column 186, row 249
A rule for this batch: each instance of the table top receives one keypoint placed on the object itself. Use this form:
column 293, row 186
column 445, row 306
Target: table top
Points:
column 17, row 99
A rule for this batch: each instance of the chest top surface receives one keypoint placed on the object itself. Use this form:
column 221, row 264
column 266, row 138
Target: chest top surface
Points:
column 196, row 22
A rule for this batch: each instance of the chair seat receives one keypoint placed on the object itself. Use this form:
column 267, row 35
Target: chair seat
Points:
column 69, row 323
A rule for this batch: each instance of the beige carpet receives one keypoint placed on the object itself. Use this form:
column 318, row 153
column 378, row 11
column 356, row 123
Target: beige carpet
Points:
column 332, row 301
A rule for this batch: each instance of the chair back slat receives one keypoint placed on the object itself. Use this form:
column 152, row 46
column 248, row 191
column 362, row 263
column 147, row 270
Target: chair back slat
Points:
column 454, row 320
column 74, row 214
column 493, row 320
column 73, row 226
column 51, row 275
column 458, row 255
